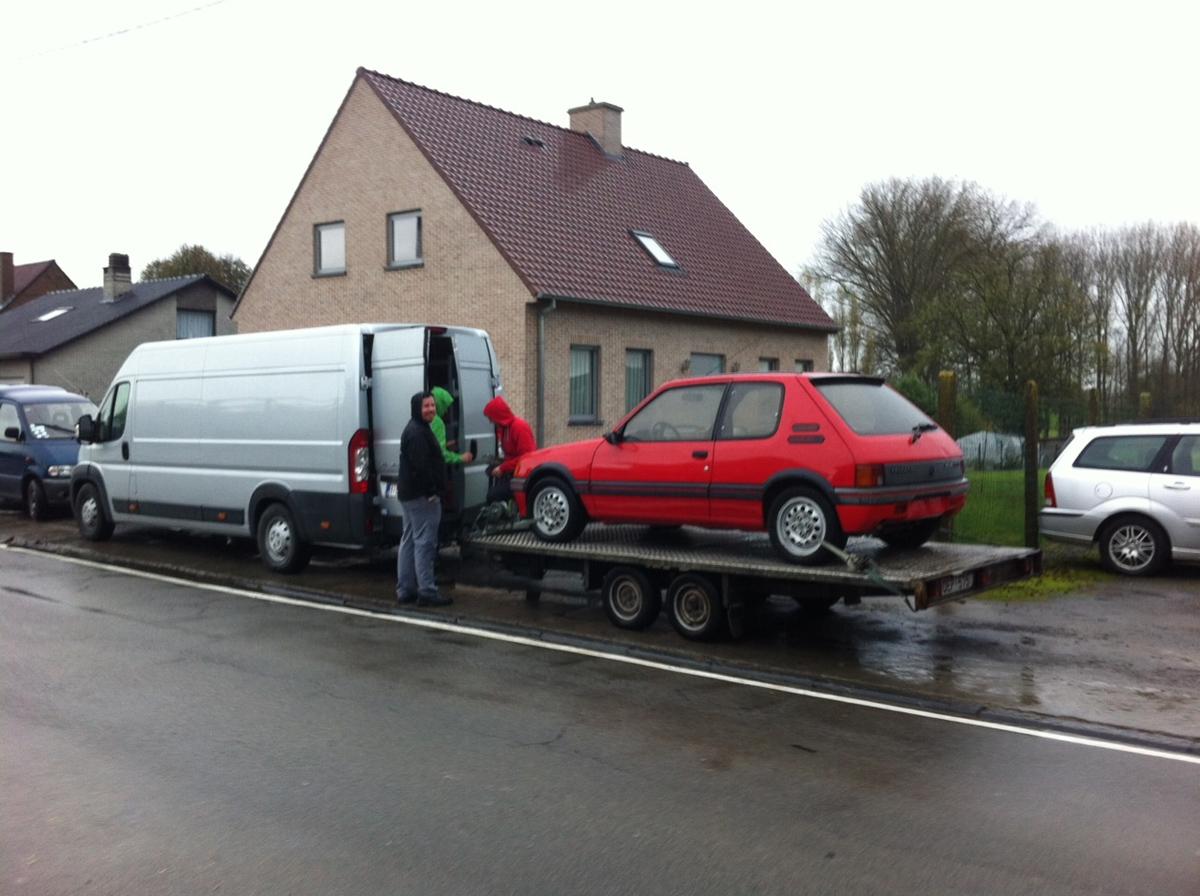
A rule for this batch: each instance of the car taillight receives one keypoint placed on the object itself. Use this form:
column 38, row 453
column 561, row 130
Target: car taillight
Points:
column 360, row 461
column 868, row 475
column 1048, row 492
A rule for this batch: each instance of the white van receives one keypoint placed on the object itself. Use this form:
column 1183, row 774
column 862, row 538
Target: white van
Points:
column 291, row 437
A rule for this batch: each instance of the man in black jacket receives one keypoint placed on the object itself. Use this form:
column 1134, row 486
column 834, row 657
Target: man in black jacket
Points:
column 422, row 483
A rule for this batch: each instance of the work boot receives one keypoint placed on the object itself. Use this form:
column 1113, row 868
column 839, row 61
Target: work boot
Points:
column 435, row 600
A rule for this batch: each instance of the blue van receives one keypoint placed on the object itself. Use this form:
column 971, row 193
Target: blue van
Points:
column 38, row 446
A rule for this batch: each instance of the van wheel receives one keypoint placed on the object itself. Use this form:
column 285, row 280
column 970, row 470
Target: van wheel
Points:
column 800, row 523
column 556, row 511
column 1133, row 546
column 279, row 542
column 694, row 605
column 90, row 514
column 35, row 500
column 910, row 535
column 630, row 600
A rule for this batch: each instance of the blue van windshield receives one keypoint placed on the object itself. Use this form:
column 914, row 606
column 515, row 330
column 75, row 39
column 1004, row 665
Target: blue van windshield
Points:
column 56, row 419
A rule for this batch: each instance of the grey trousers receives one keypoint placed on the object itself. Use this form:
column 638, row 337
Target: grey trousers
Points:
column 418, row 548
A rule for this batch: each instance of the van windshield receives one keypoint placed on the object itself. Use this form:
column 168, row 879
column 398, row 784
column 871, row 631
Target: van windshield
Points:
column 872, row 409
column 56, row 419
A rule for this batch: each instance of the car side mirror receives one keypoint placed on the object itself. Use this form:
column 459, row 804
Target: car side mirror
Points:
column 613, row 437
column 85, row 429
column 13, row 433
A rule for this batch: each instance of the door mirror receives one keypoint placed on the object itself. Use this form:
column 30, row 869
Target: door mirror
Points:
column 85, row 429
column 614, row 437
column 13, row 433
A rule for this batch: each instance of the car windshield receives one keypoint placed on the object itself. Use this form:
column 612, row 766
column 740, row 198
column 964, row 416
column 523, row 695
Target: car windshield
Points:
column 872, row 409
column 56, row 419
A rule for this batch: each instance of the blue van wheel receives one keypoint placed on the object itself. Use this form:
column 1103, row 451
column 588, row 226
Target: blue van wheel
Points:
column 35, row 500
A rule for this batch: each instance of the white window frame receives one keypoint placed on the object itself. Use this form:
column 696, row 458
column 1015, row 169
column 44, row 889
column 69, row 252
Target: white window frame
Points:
column 654, row 249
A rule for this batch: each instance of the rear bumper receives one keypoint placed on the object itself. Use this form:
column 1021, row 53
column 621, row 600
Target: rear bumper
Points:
column 861, row 519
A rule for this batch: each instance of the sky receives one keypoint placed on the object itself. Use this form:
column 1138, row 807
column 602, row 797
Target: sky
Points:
column 135, row 126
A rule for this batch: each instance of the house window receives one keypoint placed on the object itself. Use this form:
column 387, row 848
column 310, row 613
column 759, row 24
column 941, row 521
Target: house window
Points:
column 804, row 365
column 654, row 248
column 767, row 365
column 638, row 375
column 703, row 364
column 404, row 239
column 194, row 324
column 329, row 247
column 585, row 384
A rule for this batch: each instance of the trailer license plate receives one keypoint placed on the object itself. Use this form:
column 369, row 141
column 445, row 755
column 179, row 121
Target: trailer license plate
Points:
column 958, row 584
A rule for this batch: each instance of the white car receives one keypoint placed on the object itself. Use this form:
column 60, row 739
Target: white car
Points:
column 1133, row 489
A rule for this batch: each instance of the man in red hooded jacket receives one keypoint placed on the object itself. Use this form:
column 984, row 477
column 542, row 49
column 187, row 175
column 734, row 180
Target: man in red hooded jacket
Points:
column 515, row 438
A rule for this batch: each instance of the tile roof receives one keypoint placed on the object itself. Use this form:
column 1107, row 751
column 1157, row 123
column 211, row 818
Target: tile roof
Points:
column 24, row 274
column 23, row 335
column 562, row 212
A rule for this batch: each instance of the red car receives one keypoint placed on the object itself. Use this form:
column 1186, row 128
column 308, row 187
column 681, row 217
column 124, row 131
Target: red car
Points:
column 811, row 458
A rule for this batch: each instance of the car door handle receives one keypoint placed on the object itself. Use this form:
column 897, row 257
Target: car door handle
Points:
column 125, row 451
column 1178, row 487
column 699, row 455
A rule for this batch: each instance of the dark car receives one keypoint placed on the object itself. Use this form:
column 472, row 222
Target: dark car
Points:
column 37, row 445
column 810, row 458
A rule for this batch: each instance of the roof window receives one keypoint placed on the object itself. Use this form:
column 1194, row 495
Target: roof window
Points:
column 654, row 248
column 57, row 312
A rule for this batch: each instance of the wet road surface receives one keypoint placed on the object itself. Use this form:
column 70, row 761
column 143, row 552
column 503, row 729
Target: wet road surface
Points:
column 1121, row 655
column 157, row 738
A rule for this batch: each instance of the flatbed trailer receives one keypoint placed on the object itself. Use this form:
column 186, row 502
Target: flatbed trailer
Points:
column 710, row 576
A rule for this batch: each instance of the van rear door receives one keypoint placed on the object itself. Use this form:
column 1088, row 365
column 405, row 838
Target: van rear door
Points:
column 397, row 371
column 478, row 381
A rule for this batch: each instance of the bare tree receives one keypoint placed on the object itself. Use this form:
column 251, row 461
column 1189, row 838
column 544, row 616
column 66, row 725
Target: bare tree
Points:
column 1138, row 255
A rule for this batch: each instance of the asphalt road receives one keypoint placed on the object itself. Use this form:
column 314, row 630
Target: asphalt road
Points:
column 156, row 737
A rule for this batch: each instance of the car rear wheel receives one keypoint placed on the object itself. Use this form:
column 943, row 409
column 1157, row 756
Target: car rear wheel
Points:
column 911, row 535
column 801, row 523
column 556, row 511
column 35, row 500
column 630, row 600
column 1133, row 546
column 279, row 543
column 94, row 524
column 694, row 605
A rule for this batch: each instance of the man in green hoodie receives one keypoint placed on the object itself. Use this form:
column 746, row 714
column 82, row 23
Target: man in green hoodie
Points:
column 444, row 399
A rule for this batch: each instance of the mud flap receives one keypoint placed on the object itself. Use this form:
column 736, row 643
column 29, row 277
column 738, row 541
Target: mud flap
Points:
column 735, row 610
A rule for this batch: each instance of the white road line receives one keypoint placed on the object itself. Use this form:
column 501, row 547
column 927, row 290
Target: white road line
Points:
column 437, row 625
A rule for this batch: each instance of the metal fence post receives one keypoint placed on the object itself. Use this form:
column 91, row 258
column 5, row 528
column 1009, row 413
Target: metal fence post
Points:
column 1031, row 464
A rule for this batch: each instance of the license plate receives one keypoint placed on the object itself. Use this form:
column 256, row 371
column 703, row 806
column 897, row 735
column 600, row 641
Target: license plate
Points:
column 958, row 584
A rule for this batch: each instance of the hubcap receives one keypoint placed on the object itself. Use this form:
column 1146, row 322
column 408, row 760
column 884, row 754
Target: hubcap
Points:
column 551, row 511
column 1132, row 548
column 626, row 599
column 89, row 511
column 279, row 539
column 692, row 608
column 801, row 526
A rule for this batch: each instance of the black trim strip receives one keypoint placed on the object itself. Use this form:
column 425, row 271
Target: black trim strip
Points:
column 806, row 427
column 805, row 440
column 649, row 489
column 900, row 495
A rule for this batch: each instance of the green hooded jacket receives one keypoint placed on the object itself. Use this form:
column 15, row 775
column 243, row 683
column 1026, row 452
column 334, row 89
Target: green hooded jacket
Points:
column 443, row 399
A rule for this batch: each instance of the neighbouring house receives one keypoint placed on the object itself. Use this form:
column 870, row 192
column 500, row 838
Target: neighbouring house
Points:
column 77, row 338
column 599, row 270
column 20, row 283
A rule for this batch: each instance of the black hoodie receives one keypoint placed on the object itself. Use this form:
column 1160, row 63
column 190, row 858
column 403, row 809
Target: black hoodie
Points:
column 422, row 470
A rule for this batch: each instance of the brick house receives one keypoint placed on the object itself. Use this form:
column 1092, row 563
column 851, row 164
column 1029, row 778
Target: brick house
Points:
column 77, row 338
column 20, row 283
column 600, row 271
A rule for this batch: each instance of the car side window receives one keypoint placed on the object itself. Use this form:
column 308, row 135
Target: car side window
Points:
column 752, row 411
column 113, row 413
column 8, row 419
column 1134, row 454
column 686, row 414
column 1185, row 459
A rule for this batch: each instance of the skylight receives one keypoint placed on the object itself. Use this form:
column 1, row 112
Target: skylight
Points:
column 57, row 312
column 655, row 249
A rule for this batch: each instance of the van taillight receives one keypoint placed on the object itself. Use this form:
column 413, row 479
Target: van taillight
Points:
column 1048, row 492
column 360, row 459
column 868, row 476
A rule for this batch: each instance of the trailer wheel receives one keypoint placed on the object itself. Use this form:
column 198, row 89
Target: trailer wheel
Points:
column 694, row 605
column 630, row 600
column 800, row 523
column 94, row 524
column 279, row 542
column 556, row 511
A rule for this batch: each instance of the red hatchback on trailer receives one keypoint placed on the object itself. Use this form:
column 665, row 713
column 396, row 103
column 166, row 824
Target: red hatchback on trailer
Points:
column 811, row 458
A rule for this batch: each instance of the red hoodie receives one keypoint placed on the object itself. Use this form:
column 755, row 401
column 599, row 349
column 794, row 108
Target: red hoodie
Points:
column 516, row 438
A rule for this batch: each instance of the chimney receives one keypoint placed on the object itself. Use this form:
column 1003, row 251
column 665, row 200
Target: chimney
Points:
column 8, row 284
column 602, row 121
column 117, row 281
